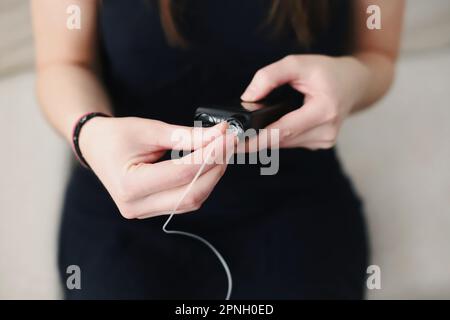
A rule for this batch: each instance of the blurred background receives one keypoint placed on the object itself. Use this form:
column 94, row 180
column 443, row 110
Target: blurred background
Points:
column 398, row 154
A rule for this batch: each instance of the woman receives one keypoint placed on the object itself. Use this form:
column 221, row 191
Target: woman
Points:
column 148, row 65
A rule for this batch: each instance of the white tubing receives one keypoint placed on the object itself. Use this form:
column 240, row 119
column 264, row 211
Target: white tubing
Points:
column 194, row 236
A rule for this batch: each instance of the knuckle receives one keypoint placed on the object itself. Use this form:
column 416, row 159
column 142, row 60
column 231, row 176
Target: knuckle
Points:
column 194, row 201
column 327, row 145
column 283, row 144
column 312, row 146
column 321, row 73
column 285, row 135
column 197, row 207
column 261, row 73
column 323, row 145
column 223, row 168
column 127, row 211
column 291, row 59
column 331, row 135
column 263, row 77
column 186, row 174
column 219, row 171
column 125, row 192
column 124, row 195
column 330, row 113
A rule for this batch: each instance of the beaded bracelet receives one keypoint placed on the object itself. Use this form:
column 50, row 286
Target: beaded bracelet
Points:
column 76, row 133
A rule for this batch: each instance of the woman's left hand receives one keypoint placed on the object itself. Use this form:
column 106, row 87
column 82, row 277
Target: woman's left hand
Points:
column 333, row 87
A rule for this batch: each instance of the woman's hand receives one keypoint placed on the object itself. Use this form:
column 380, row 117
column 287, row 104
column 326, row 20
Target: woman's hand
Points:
column 332, row 88
column 123, row 151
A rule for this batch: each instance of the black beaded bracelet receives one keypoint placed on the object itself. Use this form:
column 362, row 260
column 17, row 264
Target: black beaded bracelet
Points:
column 76, row 133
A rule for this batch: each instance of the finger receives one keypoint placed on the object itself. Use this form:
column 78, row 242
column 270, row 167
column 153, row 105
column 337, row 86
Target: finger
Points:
column 299, row 121
column 150, row 157
column 188, row 197
column 266, row 138
column 324, row 133
column 272, row 76
column 315, row 145
column 288, row 128
column 187, row 138
column 163, row 202
column 321, row 137
column 162, row 213
column 146, row 179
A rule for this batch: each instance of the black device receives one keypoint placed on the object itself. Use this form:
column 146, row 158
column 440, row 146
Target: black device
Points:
column 242, row 116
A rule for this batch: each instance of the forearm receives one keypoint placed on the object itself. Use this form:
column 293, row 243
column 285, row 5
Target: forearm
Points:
column 377, row 50
column 66, row 92
column 379, row 74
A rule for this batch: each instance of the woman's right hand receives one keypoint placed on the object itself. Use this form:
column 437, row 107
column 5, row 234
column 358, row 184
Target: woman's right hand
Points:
column 123, row 153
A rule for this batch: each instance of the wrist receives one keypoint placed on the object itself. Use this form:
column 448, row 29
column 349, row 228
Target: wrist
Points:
column 361, row 75
column 84, row 129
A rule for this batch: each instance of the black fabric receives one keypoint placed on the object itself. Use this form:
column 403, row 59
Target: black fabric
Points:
column 298, row 234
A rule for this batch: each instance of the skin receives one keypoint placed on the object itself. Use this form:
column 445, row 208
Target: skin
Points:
column 123, row 151
column 334, row 87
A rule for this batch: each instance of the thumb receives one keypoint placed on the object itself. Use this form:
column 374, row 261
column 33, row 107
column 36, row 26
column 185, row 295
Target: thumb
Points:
column 270, row 77
column 189, row 138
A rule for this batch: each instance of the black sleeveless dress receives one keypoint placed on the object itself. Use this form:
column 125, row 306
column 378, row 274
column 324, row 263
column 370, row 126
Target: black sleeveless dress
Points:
column 299, row 234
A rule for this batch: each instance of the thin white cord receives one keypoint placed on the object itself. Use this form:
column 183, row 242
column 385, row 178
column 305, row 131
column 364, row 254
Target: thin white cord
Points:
column 194, row 236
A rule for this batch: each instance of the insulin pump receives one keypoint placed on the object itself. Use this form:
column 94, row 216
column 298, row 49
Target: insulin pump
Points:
column 242, row 116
